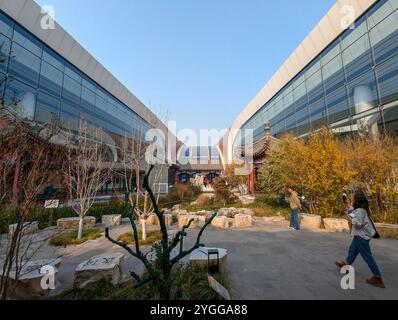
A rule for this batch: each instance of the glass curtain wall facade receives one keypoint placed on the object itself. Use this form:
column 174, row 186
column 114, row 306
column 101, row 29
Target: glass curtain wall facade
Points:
column 48, row 88
column 352, row 84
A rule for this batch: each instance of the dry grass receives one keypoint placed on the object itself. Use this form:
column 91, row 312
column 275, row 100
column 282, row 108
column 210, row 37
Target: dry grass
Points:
column 151, row 238
column 70, row 238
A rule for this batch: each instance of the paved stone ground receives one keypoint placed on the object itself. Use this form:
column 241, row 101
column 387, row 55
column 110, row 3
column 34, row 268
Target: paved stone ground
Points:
column 267, row 261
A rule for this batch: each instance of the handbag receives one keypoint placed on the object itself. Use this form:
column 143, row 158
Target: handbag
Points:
column 377, row 234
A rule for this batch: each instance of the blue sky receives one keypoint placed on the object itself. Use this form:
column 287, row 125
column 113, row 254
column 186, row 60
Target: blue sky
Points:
column 202, row 60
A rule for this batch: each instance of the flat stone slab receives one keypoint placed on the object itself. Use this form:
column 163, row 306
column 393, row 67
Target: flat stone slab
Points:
column 232, row 212
column 29, row 284
column 107, row 266
column 339, row 225
column 111, row 220
column 243, row 221
column 200, row 257
column 28, row 228
column 73, row 223
column 221, row 222
column 310, row 221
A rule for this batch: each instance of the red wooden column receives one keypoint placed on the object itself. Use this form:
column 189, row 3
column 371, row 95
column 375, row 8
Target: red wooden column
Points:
column 250, row 180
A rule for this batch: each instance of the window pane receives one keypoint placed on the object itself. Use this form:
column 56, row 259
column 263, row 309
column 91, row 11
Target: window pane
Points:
column 53, row 58
column 88, row 100
column 363, row 93
column 380, row 11
column 69, row 116
column 27, row 41
column 24, row 65
column 351, row 35
column 332, row 51
column 337, row 105
column 384, row 38
column 21, row 98
column 388, row 80
column 89, row 84
column 333, row 75
column 50, row 79
column 72, row 72
column 5, row 47
column 47, row 108
column 71, row 91
column 6, row 26
column 357, row 58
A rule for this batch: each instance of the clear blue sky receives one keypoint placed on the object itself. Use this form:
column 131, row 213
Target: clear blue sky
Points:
column 202, row 60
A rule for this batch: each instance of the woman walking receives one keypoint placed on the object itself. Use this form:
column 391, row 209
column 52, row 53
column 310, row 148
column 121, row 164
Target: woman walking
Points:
column 363, row 230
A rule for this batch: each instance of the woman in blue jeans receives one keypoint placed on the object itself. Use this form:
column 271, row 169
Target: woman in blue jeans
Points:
column 362, row 231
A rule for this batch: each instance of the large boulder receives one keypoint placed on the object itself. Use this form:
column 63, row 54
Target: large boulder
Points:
column 339, row 225
column 27, row 228
column 221, row 222
column 243, row 221
column 103, row 267
column 111, row 220
column 201, row 258
column 247, row 199
column 36, row 279
column 310, row 221
column 73, row 223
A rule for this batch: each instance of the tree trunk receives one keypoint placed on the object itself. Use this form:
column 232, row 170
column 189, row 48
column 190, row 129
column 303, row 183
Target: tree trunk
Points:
column 143, row 227
column 80, row 232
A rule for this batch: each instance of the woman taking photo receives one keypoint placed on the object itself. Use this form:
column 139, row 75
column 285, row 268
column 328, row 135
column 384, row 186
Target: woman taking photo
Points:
column 363, row 230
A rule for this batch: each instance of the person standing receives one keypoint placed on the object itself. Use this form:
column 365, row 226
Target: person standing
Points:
column 363, row 230
column 295, row 206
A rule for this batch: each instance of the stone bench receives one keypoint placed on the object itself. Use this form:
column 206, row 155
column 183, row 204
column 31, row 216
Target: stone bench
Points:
column 73, row 223
column 111, row 220
column 339, row 225
column 102, row 267
column 29, row 284
column 199, row 257
column 310, row 221
column 220, row 222
column 243, row 221
column 387, row 230
column 28, row 228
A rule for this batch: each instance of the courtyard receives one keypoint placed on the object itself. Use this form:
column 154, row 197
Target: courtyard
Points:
column 266, row 261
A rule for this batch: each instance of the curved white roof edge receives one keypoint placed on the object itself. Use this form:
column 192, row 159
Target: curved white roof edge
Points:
column 28, row 14
column 326, row 31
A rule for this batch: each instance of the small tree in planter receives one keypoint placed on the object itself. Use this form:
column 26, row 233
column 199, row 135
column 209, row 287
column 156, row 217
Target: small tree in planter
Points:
column 87, row 168
column 159, row 271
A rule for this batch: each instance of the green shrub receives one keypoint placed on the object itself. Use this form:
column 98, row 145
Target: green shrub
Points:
column 151, row 237
column 188, row 283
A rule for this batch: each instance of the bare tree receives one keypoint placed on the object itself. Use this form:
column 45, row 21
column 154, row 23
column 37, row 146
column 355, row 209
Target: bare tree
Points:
column 87, row 168
column 40, row 162
column 159, row 270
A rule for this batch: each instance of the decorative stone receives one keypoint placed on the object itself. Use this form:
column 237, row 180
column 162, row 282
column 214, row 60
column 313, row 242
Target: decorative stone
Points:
column 31, row 275
column 73, row 223
column 111, row 220
column 339, row 225
column 28, row 228
column 200, row 257
column 246, row 211
column 153, row 220
column 107, row 267
column 176, row 207
column 199, row 221
column 274, row 219
column 310, row 221
column 243, row 221
column 220, row 222
column 247, row 199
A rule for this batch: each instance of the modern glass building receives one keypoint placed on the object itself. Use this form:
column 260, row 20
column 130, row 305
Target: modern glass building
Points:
column 348, row 84
column 47, row 76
